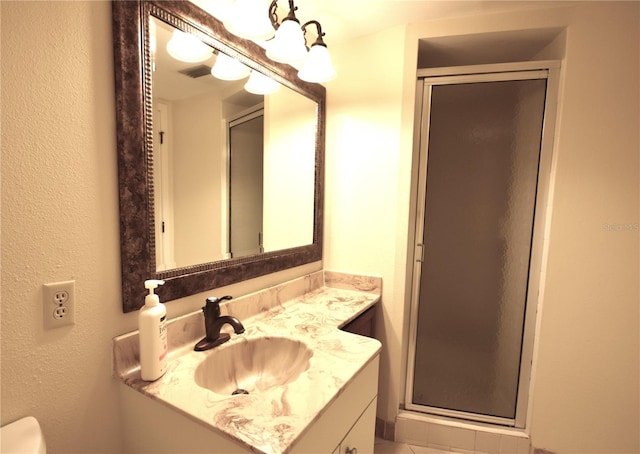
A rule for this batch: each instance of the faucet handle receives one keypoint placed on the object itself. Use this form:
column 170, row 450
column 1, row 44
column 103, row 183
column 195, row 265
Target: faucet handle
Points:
column 214, row 299
column 212, row 306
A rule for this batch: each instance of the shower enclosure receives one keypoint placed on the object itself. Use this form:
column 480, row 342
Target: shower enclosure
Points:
column 484, row 166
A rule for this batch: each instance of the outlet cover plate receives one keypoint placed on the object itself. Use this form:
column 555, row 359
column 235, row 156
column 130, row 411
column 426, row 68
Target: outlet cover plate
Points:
column 58, row 304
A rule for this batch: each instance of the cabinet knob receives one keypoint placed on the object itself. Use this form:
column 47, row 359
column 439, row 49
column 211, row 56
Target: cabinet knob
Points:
column 351, row 450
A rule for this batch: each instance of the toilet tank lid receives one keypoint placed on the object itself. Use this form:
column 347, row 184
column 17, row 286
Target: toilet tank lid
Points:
column 22, row 436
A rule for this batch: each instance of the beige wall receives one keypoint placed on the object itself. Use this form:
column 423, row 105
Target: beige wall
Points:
column 367, row 207
column 198, row 167
column 586, row 389
column 60, row 222
column 289, row 170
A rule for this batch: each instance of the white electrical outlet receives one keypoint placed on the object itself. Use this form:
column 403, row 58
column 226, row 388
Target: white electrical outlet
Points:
column 58, row 304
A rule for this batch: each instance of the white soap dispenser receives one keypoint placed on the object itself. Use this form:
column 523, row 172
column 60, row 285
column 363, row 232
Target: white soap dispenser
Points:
column 153, row 334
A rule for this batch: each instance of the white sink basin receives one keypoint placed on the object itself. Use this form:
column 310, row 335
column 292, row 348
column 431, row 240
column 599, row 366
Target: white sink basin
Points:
column 253, row 365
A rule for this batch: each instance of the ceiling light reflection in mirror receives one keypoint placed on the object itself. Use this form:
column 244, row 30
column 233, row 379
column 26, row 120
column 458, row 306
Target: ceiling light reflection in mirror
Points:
column 187, row 48
column 227, row 68
column 195, row 151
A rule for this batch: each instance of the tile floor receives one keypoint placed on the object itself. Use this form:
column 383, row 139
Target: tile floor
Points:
column 389, row 447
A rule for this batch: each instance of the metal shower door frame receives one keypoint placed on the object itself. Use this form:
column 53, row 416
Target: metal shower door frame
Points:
column 427, row 78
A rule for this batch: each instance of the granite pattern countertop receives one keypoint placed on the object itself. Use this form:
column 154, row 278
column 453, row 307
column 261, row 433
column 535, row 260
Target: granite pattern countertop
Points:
column 309, row 310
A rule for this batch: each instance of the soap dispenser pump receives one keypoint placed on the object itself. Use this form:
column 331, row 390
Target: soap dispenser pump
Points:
column 152, row 320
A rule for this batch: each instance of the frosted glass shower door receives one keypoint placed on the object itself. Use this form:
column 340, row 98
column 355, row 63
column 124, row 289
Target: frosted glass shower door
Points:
column 484, row 142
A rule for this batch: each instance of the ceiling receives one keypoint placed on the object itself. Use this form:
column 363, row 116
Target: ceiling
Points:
column 343, row 20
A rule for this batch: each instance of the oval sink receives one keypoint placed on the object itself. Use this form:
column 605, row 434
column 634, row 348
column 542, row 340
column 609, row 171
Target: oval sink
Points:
column 253, row 365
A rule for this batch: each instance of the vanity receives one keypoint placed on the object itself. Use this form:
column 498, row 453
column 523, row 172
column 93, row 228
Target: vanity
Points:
column 310, row 386
column 303, row 376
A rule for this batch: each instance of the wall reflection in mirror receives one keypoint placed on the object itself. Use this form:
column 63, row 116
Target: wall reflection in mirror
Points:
column 233, row 170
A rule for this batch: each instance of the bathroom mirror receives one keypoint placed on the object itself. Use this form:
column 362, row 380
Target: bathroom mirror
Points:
column 140, row 185
column 240, row 163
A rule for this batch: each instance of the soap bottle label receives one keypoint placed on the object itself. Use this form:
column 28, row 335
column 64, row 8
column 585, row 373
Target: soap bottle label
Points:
column 163, row 343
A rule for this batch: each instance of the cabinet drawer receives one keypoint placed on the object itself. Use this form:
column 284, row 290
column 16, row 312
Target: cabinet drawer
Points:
column 361, row 436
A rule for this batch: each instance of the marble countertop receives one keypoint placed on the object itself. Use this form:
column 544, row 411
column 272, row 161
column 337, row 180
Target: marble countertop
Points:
column 309, row 310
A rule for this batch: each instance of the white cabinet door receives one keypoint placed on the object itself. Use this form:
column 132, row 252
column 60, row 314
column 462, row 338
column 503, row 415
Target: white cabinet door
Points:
column 360, row 439
column 343, row 414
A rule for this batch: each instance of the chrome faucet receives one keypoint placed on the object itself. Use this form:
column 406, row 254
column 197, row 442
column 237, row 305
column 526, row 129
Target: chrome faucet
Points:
column 213, row 322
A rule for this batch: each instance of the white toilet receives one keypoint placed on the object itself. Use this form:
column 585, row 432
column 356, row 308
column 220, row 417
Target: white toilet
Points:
column 23, row 436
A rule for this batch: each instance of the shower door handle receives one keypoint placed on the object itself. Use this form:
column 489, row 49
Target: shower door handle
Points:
column 421, row 255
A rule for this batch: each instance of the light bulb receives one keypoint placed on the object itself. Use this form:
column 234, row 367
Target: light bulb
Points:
column 259, row 84
column 288, row 45
column 228, row 68
column 318, row 67
column 188, row 48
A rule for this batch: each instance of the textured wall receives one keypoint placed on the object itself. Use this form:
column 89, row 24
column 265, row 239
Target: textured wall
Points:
column 59, row 220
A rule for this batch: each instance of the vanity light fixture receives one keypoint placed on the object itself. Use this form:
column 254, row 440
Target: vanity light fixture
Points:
column 249, row 19
column 187, row 48
column 228, row 68
column 289, row 41
column 288, row 45
column 318, row 66
column 259, row 84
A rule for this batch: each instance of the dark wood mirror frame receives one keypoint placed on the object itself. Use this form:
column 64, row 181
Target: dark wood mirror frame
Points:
column 135, row 153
